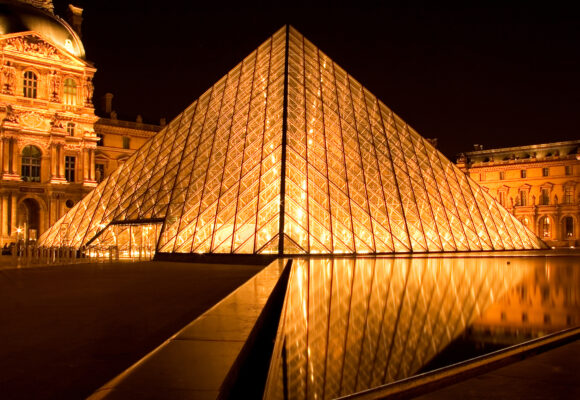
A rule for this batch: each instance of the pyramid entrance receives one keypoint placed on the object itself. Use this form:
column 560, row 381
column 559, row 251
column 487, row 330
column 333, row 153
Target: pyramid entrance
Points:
column 289, row 154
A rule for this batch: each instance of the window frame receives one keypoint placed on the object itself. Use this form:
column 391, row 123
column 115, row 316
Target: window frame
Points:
column 30, row 164
column 69, row 92
column 71, row 128
column 30, row 84
column 545, row 171
column 70, row 168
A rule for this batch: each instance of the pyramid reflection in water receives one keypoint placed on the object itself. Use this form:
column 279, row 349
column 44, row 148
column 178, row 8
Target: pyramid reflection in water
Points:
column 289, row 154
column 353, row 324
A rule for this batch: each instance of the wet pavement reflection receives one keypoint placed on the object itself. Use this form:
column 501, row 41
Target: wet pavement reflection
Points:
column 351, row 324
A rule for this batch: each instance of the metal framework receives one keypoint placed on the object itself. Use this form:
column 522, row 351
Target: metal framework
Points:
column 289, row 154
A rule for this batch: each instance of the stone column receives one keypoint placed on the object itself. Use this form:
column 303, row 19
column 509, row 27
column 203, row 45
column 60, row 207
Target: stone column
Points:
column 92, row 164
column 13, row 148
column 6, row 161
column 5, row 215
column 61, row 161
column 2, row 155
column 53, row 159
column 13, row 216
column 86, row 165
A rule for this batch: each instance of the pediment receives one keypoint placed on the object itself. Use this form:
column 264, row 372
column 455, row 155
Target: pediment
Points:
column 34, row 44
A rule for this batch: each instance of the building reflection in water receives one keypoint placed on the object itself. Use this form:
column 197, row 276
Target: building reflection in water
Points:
column 353, row 324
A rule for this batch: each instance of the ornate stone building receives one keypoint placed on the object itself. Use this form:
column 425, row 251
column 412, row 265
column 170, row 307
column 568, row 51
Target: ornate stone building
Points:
column 118, row 139
column 49, row 150
column 539, row 184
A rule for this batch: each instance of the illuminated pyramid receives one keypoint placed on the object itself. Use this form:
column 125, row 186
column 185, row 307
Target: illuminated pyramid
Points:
column 289, row 154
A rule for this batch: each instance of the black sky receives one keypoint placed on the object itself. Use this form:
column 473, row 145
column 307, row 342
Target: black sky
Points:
column 498, row 75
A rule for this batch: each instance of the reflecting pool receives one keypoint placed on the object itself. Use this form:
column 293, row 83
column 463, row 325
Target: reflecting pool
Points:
column 350, row 324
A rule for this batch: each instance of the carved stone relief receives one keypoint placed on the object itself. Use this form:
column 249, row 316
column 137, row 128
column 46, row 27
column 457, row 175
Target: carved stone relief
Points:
column 34, row 46
column 9, row 78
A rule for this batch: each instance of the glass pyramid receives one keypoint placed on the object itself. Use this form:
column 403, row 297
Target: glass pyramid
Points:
column 289, row 154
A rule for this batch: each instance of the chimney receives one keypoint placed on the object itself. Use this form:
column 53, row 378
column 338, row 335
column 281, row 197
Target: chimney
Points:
column 107, row 102
column 162, row 121
column 139, row 119
column 75, row 18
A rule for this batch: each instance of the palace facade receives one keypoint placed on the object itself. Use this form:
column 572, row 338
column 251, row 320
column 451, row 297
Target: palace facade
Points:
column 539, row 184
column 53, row 148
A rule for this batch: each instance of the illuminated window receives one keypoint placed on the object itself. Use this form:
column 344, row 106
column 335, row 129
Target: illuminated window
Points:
column 31, row 164
column 70, row 92
column 126, row 142
column 545, row 171
column 568, row 195
column 568, row 227
column 70, row 128
column 545, row 197
column 568, row 170
column 523, row 173
column 545, row 227
column 30, row 84
column 69, row 168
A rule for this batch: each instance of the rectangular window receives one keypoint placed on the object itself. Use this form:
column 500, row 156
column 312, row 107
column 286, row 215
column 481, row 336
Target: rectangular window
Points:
column 545, row 198
column 70, row 129
column 523, row 198
column 568, row 195
column 126, row 142
column 523, row 173
column 545, row 171
column 502, row 175
column 101, row 141
column 69, row 168
column 99, row 172
column 568, row 170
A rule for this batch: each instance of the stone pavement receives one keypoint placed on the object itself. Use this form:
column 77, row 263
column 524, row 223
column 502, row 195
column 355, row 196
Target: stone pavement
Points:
column 65, row 330
column 554, row 374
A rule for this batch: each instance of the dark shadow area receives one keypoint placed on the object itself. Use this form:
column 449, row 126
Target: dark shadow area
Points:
column 248, row 376
column 67, row 330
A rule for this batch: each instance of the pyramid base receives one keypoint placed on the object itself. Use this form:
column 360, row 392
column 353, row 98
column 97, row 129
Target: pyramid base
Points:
column 241, row 259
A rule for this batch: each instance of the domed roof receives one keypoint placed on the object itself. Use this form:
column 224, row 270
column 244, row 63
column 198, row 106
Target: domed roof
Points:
column 18, row 17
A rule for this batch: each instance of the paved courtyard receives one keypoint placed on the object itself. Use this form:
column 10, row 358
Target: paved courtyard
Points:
column 66, row 330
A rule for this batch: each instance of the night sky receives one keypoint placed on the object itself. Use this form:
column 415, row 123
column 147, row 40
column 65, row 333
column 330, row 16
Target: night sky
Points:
column 465, row 74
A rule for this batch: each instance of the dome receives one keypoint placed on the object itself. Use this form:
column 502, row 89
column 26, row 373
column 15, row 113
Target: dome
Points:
column 18, row 17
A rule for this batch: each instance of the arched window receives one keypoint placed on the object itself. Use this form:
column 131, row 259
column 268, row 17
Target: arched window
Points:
column 545, row 227
column 31, row 164
column 568, row 223
column 70, row 92
column 30, row 84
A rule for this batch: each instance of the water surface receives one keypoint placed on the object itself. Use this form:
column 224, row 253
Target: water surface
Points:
column 350, row 324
